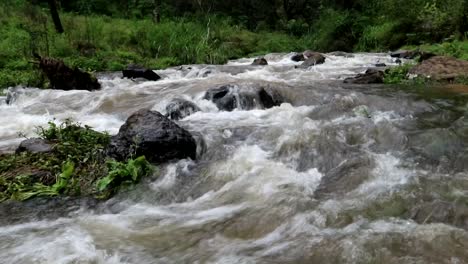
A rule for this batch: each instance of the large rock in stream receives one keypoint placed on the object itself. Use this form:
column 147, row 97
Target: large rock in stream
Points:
column 180, row 108
column 35, row 145
column 260, row 62
column 370, row 76
column 62, row 77
column 312, row 59
column 153, row 135
column 136, row 71
column 229, row 97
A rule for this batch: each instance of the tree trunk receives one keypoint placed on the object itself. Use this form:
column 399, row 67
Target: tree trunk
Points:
column 55, row 15
column 157, row 11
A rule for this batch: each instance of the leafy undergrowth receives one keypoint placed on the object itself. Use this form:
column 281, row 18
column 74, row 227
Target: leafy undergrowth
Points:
column 77, row 166
column 398, row 74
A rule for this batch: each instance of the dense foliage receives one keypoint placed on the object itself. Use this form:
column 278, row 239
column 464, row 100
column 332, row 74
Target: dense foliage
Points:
column 108, row 35
column 77, row 165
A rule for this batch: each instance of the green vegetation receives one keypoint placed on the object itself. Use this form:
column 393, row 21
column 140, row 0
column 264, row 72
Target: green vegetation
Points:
column 455, row 48
column 397, row 74
column 106, row 35
column 77, row 165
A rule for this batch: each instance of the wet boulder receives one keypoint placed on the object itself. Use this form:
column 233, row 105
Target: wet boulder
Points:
column 347, row 176
column 404, row 54
column 380, row 65
column 224, row 97
column 135, row 71
column 342, row 54
column 298, row 57
column 62, row 77
column 370, row 76
column 153, row 135
column 229, row 97
column 12, row 94
column 260, row 62
column 425, row 56
column 441, row 68
column 180, row 108
column 312, row 59
column 35, row 145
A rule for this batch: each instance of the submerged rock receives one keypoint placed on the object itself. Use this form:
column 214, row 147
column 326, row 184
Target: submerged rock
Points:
column 260, row 62
column 370, row 76
column 438, row 211
column 312, row 59
column 135, row 71
column 13, row 93
column 34, row 145
column 441, row 68
column 298, row 57
column 404, row 54
column 153, row 135
column 229, row 97
column 62, row 77
column 342, row 54
column 180, row 108
column 345, row 177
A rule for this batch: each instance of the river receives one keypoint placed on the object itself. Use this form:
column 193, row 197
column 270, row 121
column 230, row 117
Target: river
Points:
column 339, row 173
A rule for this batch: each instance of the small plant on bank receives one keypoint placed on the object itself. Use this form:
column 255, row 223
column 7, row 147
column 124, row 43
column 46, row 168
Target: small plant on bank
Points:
column 124, row 173
column 398, row 74
column 77, row 165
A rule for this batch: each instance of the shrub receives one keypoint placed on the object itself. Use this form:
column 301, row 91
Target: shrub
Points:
column 397, row 74
column 77, row 165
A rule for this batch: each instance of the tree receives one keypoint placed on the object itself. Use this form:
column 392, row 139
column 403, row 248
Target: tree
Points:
column 157, row 11
column 55, row 15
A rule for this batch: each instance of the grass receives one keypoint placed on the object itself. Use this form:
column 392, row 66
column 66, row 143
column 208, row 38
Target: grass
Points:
column 100, row 43
column 398, row 74
column 76, row 166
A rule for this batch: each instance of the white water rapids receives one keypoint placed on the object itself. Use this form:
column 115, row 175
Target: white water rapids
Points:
column 338, row 174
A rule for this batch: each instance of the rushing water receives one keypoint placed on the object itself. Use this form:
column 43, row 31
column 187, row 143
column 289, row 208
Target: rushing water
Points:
column 338, row 174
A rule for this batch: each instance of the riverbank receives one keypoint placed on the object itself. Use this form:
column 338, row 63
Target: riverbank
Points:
column 101, row 43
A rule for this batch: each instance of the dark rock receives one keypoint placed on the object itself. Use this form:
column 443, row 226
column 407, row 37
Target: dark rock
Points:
column 342, row 54
column 224, row 97
column 398, row 61
column 43, row 208
column 345, row 177
column 229, row 97
column 405, row 54
column 298, row 57
column 412, row 54
column 270, row 97
column 425, row 56
column 34, row 145
column 441, row 68
column 44, row 177
column 62, row 77
column 135, row 71
column 151, row 134
column 13, row 93
column 260, row 62
column 313, row 58
column 380, row 65
column 370, row 76
column 180, row 108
